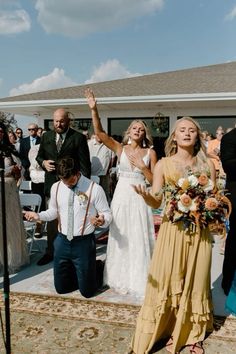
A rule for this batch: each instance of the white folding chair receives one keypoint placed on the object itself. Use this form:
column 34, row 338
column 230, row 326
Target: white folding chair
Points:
column 31, row 202
column 25, row 186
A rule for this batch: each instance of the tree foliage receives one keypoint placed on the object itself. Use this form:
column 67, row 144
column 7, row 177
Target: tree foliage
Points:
column 8, row 120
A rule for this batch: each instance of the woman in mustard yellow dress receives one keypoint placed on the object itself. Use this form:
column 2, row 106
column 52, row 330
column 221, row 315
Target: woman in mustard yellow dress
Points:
column 178, row 307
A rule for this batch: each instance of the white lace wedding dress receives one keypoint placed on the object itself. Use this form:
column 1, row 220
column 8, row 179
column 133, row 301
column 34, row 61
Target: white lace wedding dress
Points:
column 131, row 237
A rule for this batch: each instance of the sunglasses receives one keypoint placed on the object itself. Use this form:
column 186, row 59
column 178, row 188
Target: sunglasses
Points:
column 31, row 129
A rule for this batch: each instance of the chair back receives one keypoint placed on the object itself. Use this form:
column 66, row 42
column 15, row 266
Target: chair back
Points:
column 32, row 201
column 25, row 186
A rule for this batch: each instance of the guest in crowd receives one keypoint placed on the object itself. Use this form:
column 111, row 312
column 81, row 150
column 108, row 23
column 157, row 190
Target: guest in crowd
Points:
column 19, row 136
column 16, row 240
column 213, row 150
column 12, row 137
column 81, row 206
column 12, row 163
column 178, row 306
column 131, row 234
column 101, row 158
column 19, row 133
column 205, row 135
column 37, row 176
column 62, row 141
column 40, row 131
column 25, row 145
column 228, row 158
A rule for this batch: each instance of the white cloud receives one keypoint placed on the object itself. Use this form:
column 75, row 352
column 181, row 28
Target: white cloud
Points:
column 78, row 18
column 56, row 79
column 14, row 22
column 231, row 15
column 110, row 70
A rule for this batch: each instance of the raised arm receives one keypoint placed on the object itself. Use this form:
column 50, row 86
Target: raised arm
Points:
column 97, row 125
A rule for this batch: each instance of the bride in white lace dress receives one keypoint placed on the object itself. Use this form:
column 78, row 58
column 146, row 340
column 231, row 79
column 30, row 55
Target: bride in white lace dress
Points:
column 131, row 235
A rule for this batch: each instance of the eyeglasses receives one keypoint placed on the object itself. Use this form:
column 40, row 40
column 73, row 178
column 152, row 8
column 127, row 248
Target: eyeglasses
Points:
column 31, row 129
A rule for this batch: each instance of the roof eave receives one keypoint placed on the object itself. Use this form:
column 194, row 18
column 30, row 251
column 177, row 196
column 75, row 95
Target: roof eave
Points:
column 121, row 100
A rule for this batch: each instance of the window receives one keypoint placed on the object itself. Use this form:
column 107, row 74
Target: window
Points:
column 211, row 123
column 159, row 130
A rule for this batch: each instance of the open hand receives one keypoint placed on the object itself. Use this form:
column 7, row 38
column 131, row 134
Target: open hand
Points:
column 147, row 196
column 30, row 215
column 141, row 190
column 90, row 98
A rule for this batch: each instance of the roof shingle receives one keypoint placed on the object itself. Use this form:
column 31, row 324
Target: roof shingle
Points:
column 207, row 79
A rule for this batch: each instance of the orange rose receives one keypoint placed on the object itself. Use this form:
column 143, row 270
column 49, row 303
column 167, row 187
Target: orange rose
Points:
column 186, row 200
column 211, row 204
column 185, row 203
column 203, row 179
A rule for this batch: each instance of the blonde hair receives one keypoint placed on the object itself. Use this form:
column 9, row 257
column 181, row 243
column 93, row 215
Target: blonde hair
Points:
column 147, row 140
column 170, row 144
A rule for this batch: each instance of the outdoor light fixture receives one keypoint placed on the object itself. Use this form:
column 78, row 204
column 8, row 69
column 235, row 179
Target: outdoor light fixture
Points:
column 160, row 123
column 83, row 124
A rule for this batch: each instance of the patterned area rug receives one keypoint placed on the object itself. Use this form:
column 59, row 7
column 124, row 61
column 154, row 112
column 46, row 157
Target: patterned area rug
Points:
column 42, row 324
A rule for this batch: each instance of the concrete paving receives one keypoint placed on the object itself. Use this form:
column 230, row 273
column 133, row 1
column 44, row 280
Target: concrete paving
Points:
column 39, row 279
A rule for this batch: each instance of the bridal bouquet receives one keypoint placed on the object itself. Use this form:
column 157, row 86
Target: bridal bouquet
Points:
column 193, row 200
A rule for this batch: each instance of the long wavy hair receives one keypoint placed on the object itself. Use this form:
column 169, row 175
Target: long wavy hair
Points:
column 147, row 140
column 170, row 144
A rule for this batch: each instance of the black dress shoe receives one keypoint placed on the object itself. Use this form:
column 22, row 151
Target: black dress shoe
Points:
column 38, row 235
column 47, row 258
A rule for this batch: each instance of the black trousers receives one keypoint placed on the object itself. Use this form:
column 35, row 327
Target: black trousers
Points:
column 75, row 264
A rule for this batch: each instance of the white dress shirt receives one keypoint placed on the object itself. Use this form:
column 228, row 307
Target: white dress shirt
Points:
column 100, row 156
column 98, row 205
column 32, row 141
column 37, row 174
column 63, row 136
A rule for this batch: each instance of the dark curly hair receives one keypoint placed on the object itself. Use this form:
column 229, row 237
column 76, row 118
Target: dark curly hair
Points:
column 67, row 167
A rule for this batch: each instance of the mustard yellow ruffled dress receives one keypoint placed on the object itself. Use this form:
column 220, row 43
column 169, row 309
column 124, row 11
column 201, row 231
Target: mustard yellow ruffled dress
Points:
column 178, row 296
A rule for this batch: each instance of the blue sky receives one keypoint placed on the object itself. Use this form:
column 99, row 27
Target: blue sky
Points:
column 48, row 44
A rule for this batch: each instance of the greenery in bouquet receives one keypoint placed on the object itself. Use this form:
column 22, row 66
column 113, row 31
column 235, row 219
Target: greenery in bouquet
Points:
column 194, row 200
